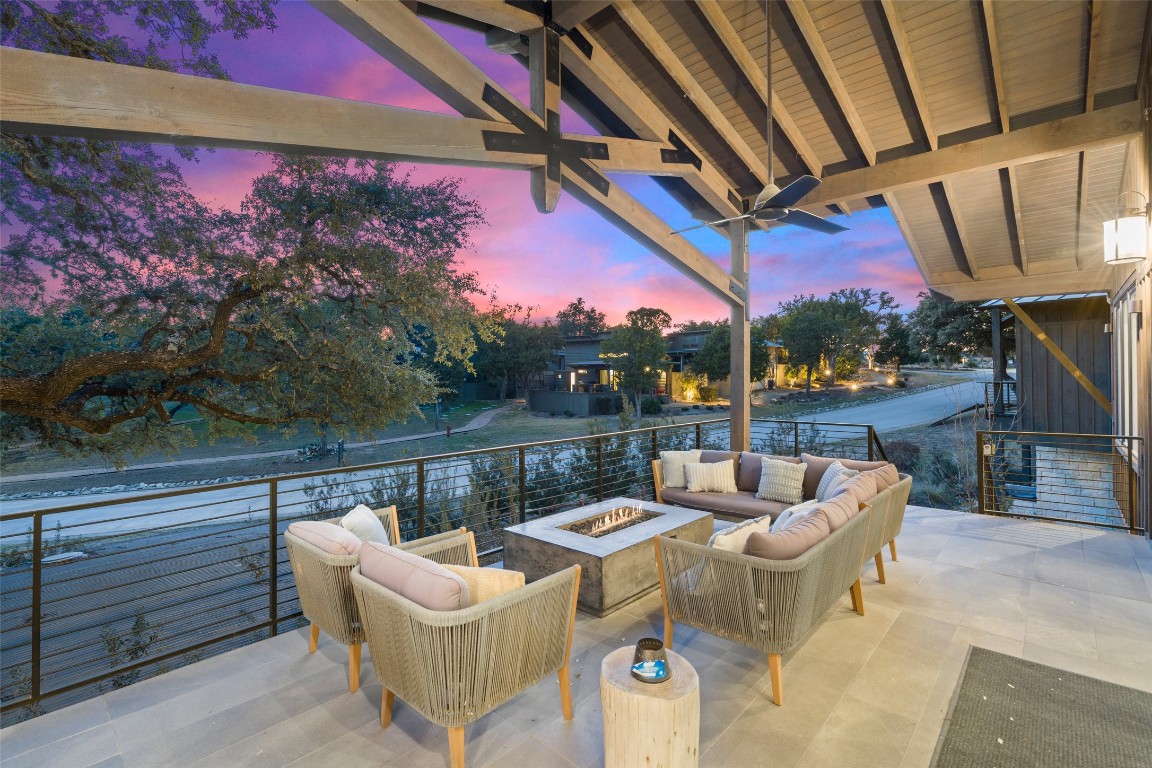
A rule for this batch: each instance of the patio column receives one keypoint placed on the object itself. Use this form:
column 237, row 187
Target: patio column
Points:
column 740, row 351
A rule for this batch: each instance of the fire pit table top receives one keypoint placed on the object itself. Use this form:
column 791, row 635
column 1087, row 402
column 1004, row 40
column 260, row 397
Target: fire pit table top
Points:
column 619, row 566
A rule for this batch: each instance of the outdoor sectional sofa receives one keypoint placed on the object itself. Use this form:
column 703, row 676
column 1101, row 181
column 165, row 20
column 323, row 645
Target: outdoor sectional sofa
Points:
column 771, row 604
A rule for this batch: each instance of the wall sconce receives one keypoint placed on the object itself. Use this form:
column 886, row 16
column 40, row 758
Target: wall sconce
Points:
column 1126, row 236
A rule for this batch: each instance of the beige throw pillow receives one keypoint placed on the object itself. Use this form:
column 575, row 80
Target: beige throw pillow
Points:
column 795, row 514
column 672, row 463
column 781, row 481
column 719, row 477
column 833, row 476
column 363, row 522
column 486, row 583
column 733, row 539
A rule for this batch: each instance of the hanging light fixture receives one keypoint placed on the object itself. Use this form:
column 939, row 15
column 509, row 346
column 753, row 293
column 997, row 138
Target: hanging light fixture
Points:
column 1126, row 235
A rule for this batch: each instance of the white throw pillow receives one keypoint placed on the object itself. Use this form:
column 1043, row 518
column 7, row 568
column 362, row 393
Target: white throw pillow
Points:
column 836, row 474
column 363, row 522
column 672, row 462
column 718, row 477
column 781, row 481
column 795, row 514
column 733, row 539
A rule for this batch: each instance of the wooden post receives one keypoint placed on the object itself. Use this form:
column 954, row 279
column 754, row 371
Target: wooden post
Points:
column 649, row 724
column 544, row 73
column 740, row 351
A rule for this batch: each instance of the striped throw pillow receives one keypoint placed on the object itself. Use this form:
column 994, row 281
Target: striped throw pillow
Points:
column 718, row 477
column 781, row 481
column 836, row 474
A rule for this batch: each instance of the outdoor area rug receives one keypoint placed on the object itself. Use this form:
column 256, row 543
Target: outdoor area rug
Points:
column 1012, row 713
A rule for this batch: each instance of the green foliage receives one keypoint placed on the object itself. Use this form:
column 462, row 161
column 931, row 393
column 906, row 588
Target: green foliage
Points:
column 805, row 327
column 835, row 330
column 896, row 346
column 948, row 330
column 520, row 352
column 128, row 648
column 637, row 349
column 651, row 406
column 576, row 319
column 714, row 358
column 708, row 394
column 249, row 317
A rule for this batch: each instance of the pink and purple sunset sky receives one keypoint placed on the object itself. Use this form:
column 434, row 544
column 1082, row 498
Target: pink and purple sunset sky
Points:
column 539, row 260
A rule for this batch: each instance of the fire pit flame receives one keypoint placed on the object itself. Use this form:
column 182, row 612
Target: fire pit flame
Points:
column 611, row 521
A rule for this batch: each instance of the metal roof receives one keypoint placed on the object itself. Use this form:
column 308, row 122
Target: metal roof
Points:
column 1049, row 297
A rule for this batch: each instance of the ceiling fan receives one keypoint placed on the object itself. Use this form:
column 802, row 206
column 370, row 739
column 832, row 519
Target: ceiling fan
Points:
column 773, row 203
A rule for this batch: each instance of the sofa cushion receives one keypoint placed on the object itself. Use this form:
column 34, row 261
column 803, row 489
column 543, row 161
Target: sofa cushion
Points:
column 748, row 474
column 733, row 539
column 741, row 504
column 861, row 488
column 833, row 476
column 718, row 477
column 791, row 542
column 818, row 464
column 420, row 580
column 363, row 522
column 330, row 538
column 886, row 477
column 838, row 510
column 672, row 463
column 781, row 481
column 713, row 457
column 795, row 514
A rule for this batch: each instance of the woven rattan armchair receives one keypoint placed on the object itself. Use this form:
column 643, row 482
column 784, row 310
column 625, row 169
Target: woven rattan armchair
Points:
column 453, row 667
column 326, row 593
column 887, row 519
column 764, row 604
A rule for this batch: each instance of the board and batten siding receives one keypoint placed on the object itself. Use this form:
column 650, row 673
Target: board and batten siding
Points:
column 1051, row 400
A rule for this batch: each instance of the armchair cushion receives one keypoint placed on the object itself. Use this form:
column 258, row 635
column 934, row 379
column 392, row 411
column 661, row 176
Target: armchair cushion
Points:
column 330, row 538
column 363, row 522
column 717, row 477
column 422, row 581
column 748, row 476
column 836, row 474
column 840, row 509
column 733, row 539
column 486, row 583
column 673, row 465
column 791, row 542
column 818, row 464
column 781, row 481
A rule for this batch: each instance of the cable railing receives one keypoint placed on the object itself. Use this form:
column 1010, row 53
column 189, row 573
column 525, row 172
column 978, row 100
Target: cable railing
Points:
column 101, row 593
column 1000, row 398
column 1089, row 479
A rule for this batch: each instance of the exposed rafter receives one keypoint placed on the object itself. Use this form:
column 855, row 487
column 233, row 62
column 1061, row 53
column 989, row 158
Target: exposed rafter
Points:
column 671, row 63
column 1018, row 217
column 495, row 12
column 900, row 38
column 570, row 13
column 906, row 228
column 713, row 12
column 544, row 73
column 823, row 58
column 989, row 15
column 966, row 250
column 1090, row 66
column 1103, row 127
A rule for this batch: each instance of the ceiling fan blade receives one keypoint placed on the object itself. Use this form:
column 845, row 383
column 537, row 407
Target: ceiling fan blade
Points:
column 791, row 194
column 809, row 221
column 710, row 224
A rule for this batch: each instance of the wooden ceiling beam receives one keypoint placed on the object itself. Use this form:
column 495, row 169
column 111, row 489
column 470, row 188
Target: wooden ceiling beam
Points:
column 667, row 58
column 904, row 48
column 1092, row 57
column 714, row 13
column 494, row 12
column 572, row 13
column 48, row 94
column 544, row 79
column 1100, row 128
column 993, row 41
column 1018, row 215
column 966, row 251
column 827, row 67
column 906, row 228
column 1072, row 281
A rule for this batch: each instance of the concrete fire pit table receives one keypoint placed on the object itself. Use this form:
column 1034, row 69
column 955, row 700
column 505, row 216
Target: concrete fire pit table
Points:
column 618, row 567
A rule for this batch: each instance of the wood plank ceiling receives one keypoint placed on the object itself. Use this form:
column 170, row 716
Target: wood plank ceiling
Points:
column 1000, row 133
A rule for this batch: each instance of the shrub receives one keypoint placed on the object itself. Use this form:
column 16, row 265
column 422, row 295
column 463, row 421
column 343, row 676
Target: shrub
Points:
column 708, row 394
column 903, row 453
column 650, row 406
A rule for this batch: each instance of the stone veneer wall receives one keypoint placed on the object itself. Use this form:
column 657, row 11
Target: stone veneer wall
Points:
column 1075, row 485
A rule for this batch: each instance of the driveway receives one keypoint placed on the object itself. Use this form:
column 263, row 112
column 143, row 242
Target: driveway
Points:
column 912, row 410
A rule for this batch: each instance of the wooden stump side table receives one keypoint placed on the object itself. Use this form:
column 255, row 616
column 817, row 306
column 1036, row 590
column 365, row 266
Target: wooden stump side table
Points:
column 656, row 724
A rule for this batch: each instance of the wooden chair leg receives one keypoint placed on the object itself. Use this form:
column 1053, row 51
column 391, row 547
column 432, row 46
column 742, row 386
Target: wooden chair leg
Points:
column 892, row 549
column 775, row 668
column 313, row 637
column 668, row 631
column 456, row 747
column 857, row 597
column 880, row 568
column 354, row 667
column 387, row 700
column 565, row 691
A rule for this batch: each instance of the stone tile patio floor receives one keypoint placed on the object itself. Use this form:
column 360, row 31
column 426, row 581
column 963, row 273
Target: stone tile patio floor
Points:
column 860, row 691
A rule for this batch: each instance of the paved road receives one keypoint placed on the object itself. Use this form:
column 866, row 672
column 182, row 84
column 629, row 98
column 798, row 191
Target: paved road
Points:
column 911, row 410
column 477, row 422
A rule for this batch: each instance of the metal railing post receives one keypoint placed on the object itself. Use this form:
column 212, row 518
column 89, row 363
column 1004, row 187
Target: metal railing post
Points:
column 981, row 506
column 1133, row 513
column 795, row 438
column 273, row 564
column 871, row 441
column 37, row 588
column 420, row 498
column 699, row 436
column 599, row 468
column 523, row 486
column 655, row 445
